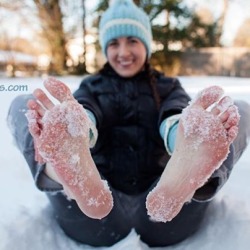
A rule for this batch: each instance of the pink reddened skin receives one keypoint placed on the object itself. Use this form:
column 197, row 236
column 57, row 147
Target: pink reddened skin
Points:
column 61, row 136
column 206, row 129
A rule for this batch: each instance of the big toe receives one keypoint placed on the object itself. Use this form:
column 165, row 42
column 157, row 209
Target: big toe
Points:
column 58, row 89
column 208, row 96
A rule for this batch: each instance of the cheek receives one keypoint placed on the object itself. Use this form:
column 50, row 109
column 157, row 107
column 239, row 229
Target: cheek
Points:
column 141, row 53
column 144, row 53
column 111, row 57
column 110, row 52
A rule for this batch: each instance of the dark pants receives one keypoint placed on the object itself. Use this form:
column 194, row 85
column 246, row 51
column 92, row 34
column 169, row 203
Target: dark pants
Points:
column 128, row 211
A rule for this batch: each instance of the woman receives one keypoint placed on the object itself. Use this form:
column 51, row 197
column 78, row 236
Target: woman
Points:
column 156, row 162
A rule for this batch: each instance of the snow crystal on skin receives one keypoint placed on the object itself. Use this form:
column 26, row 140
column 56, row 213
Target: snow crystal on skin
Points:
column 31, row 116
column 71, row 114
column 197, row 122
column 105, row 185
column 74, row 159
column 100, row 199
column 163, row 208
column 67, row 117
column 63, row 94
column 76, row 176
column 215, row 92
column 106, row 189
column 198, row 182
column 77, row 128
column 93, row 202
column 73, row 181
column 90, row 173
column 84, row 190
column 53, row 85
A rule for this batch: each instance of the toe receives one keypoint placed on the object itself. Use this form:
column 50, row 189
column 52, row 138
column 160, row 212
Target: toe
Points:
column 215, row 111
column 43, row 99
column 208, row 96
column 58, row 89
column 222, row 105
column 233, row 117
column 225, row 103
column 232, row 133
column 224, row 117
column 33, row 105
column 33, row 117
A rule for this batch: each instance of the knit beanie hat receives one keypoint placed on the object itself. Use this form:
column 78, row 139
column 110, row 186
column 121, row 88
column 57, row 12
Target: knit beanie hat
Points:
column 124, row 18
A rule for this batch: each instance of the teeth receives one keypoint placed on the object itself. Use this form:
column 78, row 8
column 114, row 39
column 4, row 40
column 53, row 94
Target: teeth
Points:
column 126, row 63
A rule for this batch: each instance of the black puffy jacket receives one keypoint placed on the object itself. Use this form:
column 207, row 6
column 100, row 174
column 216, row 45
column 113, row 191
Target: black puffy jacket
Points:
column 129, row 152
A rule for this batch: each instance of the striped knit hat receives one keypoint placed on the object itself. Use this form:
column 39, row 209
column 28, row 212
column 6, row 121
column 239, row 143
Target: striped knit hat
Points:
column 124, row 18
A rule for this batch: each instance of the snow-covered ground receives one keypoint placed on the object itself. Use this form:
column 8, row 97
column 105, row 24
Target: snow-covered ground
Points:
column 26, row 221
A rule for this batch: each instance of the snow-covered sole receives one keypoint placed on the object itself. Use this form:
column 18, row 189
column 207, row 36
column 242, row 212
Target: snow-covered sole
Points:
column 61, row 134
column 206, row 129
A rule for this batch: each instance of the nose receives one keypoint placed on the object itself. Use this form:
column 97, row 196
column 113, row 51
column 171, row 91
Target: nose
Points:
column 124, row 50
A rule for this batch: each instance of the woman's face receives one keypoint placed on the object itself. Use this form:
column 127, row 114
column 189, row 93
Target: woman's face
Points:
column 126, row 55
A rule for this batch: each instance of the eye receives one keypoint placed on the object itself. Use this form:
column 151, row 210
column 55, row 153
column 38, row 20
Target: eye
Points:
column 133, row 40
column 113, row 43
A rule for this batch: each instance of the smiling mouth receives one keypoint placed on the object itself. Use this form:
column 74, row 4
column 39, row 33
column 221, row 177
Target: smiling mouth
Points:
column 126, row 63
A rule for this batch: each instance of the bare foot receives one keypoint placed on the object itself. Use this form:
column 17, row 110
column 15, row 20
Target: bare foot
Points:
column 206, row 129
column 61, row 136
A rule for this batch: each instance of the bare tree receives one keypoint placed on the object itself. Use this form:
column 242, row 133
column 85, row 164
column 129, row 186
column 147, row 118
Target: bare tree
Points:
column 221, row 21
column 50, row 15
column 81, row 67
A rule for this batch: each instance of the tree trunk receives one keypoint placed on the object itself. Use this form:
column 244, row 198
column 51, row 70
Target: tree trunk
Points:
column 50, row 15
column 221, row 20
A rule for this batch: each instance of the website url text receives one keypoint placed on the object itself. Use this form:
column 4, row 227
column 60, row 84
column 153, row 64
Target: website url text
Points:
column 14, row 88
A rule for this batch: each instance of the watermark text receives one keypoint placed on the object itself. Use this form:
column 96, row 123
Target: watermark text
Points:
column 13, row 88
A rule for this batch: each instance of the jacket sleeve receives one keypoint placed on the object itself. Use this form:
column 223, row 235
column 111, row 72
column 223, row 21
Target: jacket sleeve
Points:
column 173, row 98
column 86, row 96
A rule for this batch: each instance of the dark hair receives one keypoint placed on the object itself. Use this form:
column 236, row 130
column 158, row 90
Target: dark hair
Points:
column 152, row 82
column 105, row 68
